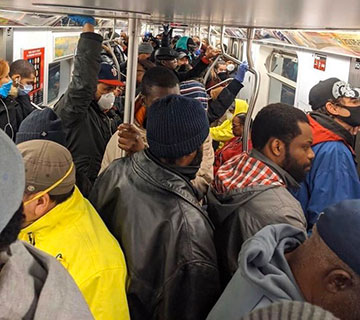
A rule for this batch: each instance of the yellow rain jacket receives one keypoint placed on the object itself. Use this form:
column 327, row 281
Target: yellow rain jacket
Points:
column 74, row 233
column 224, row 132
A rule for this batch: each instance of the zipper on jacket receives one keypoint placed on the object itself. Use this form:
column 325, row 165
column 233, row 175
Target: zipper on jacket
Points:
column 31, row 238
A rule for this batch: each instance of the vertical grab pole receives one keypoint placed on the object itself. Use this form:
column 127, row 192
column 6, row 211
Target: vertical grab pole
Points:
column 209, row 34
column 133, row 31
column 131, row 70
column 212, row 66
column 250, row 36
column 108, row 44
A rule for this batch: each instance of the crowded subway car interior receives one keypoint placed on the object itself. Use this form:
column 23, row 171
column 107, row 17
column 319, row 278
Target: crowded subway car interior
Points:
column 179, row 160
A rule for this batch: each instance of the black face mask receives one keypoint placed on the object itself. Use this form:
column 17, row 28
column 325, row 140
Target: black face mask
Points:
column 354, row 118
column 223, row 76
column 191, row 170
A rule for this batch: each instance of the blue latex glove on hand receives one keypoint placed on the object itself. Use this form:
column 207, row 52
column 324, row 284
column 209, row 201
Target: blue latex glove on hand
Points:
column 240, row 74
column 82, row 20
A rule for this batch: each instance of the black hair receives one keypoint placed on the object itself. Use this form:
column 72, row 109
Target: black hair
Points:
column 159, row 77
column 241, row 117
column 279, row 121
column 61, row 197
column 22, row 67
column 12, row 229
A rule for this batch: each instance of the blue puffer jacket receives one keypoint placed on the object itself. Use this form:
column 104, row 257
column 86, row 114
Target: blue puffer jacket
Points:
column 333, row 176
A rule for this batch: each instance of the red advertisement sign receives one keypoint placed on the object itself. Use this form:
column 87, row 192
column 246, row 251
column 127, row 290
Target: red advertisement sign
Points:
column 36, row 57
column 320, row 62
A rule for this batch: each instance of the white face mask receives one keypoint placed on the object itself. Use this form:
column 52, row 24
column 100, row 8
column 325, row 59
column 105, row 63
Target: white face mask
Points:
column 230, row 67
column 106, row 101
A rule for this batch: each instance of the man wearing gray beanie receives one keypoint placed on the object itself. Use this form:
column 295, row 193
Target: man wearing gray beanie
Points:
column 166, row 236
column 145, row 50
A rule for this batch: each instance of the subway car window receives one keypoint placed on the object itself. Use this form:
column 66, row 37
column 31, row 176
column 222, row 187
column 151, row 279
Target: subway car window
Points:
column 283, row 77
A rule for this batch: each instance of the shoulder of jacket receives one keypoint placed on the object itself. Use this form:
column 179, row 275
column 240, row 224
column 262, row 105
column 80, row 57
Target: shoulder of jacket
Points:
column 328, row 147
column 330, row 151
column 278, row 198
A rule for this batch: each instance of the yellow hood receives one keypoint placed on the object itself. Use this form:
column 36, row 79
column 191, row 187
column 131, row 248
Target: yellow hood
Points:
column 241, row 106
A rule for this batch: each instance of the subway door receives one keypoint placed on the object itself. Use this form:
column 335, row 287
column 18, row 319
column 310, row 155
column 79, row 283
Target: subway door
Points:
column 354, row 80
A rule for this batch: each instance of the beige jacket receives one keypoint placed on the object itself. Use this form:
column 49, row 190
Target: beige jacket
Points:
column 203, row 177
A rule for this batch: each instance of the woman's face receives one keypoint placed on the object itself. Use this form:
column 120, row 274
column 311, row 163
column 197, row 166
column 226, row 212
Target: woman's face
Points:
column 5, row 78
column 237, row 127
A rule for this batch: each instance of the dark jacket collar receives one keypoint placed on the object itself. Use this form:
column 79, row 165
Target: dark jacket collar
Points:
column 285, row 176
column 164, row 177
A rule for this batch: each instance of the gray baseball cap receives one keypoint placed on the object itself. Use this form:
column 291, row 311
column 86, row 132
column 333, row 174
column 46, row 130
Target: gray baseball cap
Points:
column 12, row 179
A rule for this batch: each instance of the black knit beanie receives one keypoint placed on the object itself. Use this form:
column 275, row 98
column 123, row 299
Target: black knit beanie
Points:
column 289, row 310
column 176, row 126
column 41, row 124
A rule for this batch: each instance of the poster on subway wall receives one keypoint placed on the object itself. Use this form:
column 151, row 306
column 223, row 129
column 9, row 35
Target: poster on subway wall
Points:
column 36, row 58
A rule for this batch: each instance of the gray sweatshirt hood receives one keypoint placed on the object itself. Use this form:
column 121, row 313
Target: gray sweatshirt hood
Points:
column 34, row 285
column 263, row 276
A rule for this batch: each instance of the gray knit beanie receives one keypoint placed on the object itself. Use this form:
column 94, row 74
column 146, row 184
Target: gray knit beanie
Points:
column 290, row 310
column 145, row 47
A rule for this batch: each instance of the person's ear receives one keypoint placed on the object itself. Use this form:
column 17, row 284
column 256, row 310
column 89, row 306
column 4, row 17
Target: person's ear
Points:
column 277, row 147
column 332, row 108
column 338, row 280
column 42, row 205
column 16, row 78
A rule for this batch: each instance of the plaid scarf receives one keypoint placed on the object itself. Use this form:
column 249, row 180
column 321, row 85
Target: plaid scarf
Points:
column 243, row 171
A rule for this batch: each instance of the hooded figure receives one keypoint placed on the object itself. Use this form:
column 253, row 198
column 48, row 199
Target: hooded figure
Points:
column 263, row 276
column 224, row 132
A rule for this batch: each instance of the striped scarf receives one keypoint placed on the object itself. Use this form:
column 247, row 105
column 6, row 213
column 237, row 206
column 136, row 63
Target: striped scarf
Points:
column 194, row 89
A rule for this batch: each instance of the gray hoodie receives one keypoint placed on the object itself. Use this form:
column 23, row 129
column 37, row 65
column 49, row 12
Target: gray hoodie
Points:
column 34, row 285
column 240, row 213
column 263, row 276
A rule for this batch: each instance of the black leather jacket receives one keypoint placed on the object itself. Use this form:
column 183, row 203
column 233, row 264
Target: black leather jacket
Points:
column 166, row 236
column 88, row 128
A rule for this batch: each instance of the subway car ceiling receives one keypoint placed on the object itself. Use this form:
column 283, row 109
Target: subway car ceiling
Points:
column 280, row 14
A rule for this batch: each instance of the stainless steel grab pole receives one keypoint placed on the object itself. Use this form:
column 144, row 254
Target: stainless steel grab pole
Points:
column 108, row 44
column 226, row 55
column 254, row 96
column 212, row 66
column 129, row 107
column 131, row 70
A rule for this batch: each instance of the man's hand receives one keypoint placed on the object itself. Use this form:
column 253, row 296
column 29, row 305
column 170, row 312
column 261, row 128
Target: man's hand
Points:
column 211, row 52
column 130, row 138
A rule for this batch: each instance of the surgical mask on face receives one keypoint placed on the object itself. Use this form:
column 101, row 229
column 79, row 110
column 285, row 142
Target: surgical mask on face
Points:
column 5, row 89
column 354, row 118
column 106, row 101
column 24, row 90
column 230, row 67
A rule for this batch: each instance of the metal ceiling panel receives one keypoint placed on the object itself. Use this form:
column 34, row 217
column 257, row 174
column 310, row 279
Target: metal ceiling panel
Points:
column 279, row 14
